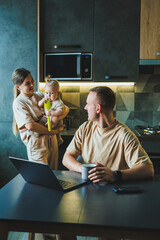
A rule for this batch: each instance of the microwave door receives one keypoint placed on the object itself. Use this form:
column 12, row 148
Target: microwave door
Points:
column 69, row 67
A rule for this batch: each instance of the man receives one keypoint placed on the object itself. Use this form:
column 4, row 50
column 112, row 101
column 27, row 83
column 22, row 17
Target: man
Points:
column 108, row 143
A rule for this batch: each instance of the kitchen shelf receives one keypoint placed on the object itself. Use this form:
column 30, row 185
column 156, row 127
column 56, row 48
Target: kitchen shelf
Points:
column 69, row 105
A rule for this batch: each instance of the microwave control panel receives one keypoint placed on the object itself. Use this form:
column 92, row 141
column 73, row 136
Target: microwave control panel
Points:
column 86, row 66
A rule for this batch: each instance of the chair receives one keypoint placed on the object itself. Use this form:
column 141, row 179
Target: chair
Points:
column 31, row 236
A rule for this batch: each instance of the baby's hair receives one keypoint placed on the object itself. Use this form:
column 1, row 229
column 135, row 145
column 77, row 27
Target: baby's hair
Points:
column 53, row 82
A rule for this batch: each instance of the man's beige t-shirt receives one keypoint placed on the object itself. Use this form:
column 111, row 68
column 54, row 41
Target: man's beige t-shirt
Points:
column 26, row 110
column 116, row 147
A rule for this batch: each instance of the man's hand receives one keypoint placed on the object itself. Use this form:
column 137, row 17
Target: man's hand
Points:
column 101, row 174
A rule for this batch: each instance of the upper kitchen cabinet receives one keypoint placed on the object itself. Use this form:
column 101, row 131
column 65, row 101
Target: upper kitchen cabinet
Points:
column 116, row 35
column 66, row 25
column 150, row 32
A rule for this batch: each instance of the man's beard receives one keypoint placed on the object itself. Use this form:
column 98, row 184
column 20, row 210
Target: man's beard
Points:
column 95, row 118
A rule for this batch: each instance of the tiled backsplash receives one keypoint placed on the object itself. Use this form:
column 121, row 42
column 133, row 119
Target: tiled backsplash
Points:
column 135, row 105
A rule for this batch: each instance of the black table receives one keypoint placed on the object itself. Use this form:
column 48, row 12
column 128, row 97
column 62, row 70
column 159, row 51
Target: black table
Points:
column 91, row 210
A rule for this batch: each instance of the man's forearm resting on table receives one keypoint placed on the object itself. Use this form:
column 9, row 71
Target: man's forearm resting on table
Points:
column 140, row 171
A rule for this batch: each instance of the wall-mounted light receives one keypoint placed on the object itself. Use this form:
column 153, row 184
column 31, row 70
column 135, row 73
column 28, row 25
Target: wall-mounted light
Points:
column 41, row 84
column 96, row 83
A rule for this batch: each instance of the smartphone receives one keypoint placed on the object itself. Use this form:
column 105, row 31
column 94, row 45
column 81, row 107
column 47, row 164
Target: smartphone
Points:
column 127, row 189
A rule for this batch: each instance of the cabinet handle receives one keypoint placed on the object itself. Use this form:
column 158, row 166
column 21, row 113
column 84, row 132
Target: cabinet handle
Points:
column 66, row 46
column 158, row 53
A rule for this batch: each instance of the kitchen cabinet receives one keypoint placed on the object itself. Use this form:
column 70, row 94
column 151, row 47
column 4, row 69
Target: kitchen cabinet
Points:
column 109, row 29
column 116, row 37
column 66, row 24
column 150, row 30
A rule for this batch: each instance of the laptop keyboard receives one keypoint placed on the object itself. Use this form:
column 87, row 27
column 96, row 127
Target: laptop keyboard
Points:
column 66, row 184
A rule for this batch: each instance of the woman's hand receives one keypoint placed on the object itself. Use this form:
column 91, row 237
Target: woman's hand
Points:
column 56, row 131
column 101, row 174
column 41, row 129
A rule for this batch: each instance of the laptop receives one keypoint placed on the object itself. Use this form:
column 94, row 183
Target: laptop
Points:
column 41, row 174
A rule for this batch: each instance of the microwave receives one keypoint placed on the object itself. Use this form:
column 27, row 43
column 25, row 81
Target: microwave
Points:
column 68, row 66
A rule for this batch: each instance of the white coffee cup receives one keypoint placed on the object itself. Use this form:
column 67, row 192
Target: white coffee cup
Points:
column 86, row 167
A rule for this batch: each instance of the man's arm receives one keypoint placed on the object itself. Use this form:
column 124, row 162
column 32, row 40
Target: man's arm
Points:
column 141, row 171
column 70, row 161
column 102, row 173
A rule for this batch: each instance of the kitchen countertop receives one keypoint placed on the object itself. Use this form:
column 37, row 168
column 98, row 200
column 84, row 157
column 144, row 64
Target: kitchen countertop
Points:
column 69, row 132
column 154, row 137
column 150, row 143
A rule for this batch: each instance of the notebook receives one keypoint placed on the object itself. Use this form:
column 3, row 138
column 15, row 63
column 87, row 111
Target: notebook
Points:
column 41, row 174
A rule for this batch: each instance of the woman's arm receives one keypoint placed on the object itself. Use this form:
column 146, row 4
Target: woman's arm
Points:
column 41, row 129
column 65, row 112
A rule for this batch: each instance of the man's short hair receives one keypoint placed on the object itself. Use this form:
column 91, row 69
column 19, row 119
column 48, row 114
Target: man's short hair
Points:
column 106, row 96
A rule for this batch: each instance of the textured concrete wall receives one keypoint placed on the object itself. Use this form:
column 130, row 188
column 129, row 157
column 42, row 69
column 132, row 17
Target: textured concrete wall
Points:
column 18, row 48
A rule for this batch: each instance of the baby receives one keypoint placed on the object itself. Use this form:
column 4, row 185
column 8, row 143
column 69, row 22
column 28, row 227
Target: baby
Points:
column 52, row 93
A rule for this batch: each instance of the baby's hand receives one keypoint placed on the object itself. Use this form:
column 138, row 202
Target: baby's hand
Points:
column 48, row 113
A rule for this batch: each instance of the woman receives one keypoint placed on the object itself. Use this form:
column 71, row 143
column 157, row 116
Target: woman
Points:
column 43, row 148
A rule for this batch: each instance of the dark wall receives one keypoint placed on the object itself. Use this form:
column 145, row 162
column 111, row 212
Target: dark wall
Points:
column 18, row 48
